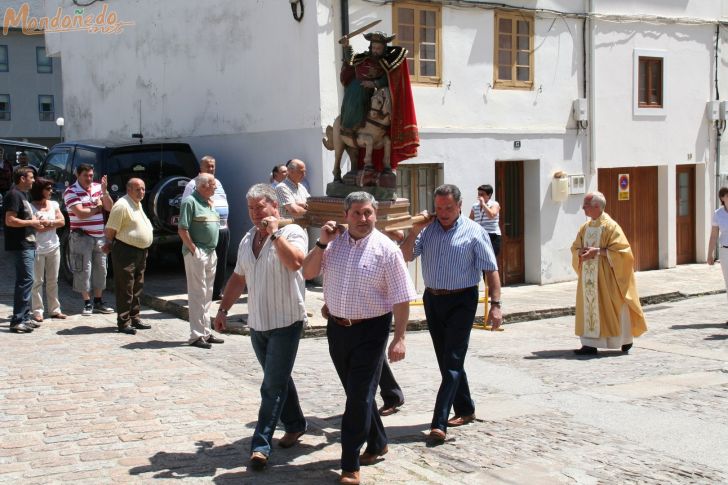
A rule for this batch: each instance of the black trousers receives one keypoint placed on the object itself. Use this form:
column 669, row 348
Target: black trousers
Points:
column 129, row 265
column 390, row 391
column 221, row 250
column 358, row 353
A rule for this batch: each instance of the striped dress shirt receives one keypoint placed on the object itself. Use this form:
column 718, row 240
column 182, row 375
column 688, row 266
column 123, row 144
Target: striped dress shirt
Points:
column 275, row 294
column 455, row 258
column 364, row 278
column 75, row 195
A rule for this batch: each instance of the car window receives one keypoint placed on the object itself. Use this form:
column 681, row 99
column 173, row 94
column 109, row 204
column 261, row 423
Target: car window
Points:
column 88, row 157
column 55, row 167
column 151, row 165
column 35, row 155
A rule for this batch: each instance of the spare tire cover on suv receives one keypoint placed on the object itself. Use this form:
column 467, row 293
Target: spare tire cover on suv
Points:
column 164, row 202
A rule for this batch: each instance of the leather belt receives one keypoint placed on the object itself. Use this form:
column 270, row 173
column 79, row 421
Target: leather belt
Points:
column 347, row 322
column 436, row 292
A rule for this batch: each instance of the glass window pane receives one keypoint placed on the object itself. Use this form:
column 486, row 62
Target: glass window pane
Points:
column 505, row 42
column 523, row 43
column 504, row 73
column 427, row 51
column 427, row 34
column 427, row 68
column 522, row 58
column 43, row 62
column 406, row 34
column 4, row 58
column 505, row 26
column 504, row 58
column 4, row 106
column 523, row 27
column 427, row 17
column 683, row 193
column 406, row 16
column 522, row 73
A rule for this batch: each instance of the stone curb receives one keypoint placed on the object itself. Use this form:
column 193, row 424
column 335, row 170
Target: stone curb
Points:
column 238, row 328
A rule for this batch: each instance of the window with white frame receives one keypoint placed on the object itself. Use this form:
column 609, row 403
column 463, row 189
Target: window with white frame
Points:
column 46, row 109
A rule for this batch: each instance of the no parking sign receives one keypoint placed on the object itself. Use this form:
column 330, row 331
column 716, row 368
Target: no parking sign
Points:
column 623, row 189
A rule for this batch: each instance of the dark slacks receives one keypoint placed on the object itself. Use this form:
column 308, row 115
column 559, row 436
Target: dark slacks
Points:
column 450, row 320
column 390, row 391
column 129, row 265
column 495, row 241
column 221, row 250
column 357, row 353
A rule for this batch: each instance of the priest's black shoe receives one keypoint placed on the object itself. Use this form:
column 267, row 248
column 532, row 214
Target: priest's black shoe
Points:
column 586, row 350
column 626, row 347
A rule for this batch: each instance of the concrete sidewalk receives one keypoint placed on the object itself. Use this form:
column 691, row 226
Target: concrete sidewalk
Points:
column 165, row 290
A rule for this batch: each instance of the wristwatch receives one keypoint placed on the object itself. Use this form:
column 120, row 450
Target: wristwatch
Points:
column 276, row 235
column 321, row 245
column 495, row 303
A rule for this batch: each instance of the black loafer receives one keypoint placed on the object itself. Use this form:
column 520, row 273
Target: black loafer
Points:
column 586, row 350
column 127, row 330
column 214, row 340
column 626, row 347
column 200, row 342
column 141, row 326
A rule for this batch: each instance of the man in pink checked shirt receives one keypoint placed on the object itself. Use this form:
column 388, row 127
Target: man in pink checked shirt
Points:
column 365, row 282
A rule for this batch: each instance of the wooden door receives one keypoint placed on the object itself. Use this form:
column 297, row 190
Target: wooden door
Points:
column 509, row 193
column 638, row 215
column 685, row 213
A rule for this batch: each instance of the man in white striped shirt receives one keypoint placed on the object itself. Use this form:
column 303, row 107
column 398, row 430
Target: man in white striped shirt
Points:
column 86, row 202
column 269, row 262
column 454, row 250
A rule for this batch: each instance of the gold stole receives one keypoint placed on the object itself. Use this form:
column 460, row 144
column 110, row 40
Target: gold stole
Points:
column 590, row 278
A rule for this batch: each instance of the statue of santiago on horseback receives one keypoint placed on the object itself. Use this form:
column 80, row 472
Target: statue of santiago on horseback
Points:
column 377, row 125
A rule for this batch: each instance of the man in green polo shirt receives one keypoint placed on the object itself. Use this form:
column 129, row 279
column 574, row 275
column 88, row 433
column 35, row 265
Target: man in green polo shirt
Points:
column 199, row 226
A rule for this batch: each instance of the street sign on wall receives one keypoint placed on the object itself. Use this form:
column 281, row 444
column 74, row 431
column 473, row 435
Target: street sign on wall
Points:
column 623, row 189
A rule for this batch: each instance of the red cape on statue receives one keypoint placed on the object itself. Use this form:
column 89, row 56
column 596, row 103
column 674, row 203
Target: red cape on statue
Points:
column 403, row 129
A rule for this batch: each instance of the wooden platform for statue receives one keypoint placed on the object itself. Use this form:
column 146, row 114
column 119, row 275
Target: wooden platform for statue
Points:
column 391, row 214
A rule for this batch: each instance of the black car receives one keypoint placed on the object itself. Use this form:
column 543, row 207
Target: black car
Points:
column 166, row 166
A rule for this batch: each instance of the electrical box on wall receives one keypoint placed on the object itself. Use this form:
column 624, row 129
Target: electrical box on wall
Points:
column 577, row 184
column 581, row 112
column 722, row 110
column 712, row 110
column 559, row 187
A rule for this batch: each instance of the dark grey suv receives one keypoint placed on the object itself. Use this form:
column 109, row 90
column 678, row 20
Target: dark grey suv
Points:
column 165, row 166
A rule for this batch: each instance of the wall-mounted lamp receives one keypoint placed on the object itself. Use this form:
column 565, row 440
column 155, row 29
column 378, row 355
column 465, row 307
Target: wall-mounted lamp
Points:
column 59, row 123
column 294, row 8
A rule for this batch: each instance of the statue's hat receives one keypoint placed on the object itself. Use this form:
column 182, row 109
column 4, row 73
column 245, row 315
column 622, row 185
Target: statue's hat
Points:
column 380, row 37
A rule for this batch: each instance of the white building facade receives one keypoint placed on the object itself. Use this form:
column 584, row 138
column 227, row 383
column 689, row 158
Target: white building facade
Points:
column 494, row 89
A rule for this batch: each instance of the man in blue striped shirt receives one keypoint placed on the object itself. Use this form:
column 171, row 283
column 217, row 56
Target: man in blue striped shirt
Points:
column 455, row 251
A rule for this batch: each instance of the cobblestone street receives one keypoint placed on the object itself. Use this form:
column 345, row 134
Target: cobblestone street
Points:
column 82, row 403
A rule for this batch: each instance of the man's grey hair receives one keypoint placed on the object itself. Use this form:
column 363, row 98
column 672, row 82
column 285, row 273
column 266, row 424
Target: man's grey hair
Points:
column 597, row 199
column 359, row 198
column 449, row 189
column 259, row 191
column 203, row 180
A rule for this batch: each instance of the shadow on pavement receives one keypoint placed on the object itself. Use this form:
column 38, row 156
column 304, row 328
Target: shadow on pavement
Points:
column 697, row 326
column 86, row 330
column 153, row 345
column 208, row 459
column 570, row 355
column 717, row 337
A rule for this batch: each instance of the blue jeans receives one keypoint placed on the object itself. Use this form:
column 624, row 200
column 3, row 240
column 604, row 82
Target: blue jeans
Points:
column 276, row 351
column 450, row 320
column 24, row 265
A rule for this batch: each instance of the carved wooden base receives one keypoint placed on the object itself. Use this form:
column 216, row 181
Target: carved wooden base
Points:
column 390, row 213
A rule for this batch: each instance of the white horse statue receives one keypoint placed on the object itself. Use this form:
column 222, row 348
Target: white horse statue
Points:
column 373, row 135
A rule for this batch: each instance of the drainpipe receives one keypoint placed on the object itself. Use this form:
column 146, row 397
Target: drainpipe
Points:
column 590, row 54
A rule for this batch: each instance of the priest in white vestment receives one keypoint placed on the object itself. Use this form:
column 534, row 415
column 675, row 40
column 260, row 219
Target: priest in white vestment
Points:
column 608, row 310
